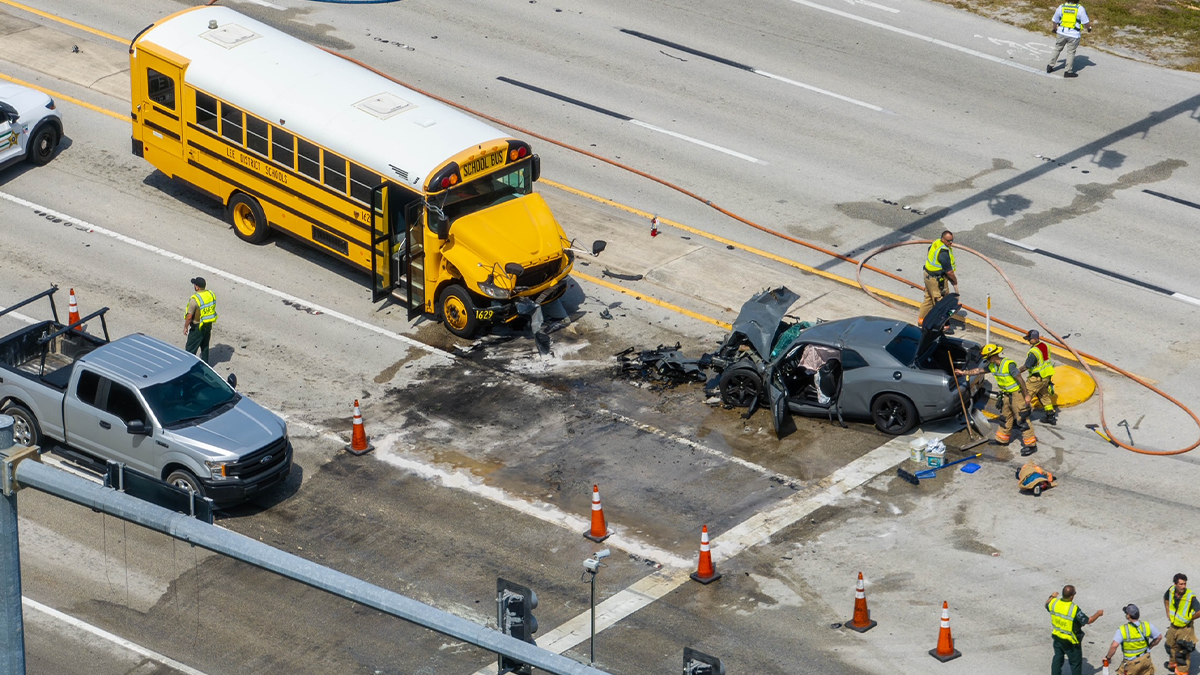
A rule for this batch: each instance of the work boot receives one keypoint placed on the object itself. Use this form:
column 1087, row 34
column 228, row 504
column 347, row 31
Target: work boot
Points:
column 1049, row 69
column 1051, row 418
column 1070, row 73
column 1028, row 450
column 997, row 442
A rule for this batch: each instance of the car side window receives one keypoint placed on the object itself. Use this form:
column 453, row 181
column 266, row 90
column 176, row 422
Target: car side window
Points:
column 123, row 403
column 85, row 391
column 852, row 359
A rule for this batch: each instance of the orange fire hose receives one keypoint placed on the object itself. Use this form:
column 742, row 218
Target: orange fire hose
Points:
column 862, row 264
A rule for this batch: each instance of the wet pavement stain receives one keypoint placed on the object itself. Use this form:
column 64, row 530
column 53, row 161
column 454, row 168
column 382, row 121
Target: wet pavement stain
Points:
column 968, row 183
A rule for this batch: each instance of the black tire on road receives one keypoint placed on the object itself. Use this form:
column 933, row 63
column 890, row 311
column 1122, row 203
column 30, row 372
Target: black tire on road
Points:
column 740, row 386
column 182, row 478
column 893, row 414
column 457, row 310
column 248, row 219
column 26, row 431
column 42, row 145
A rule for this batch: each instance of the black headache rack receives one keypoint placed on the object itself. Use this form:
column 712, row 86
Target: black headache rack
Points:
column 23, row 348
column 49, row 293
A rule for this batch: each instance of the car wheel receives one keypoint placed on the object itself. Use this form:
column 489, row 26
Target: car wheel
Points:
column 185, row 480
column 458, row 312
column 893, row 414
column 740, row 386
column 248, row 220
column 26, row 431
column 42, row 145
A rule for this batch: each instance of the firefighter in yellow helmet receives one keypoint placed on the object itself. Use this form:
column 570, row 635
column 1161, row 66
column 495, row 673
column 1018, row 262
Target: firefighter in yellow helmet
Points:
column 1014, row 397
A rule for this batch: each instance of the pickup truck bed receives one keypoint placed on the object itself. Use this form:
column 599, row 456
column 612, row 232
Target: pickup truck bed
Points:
column 50, row 363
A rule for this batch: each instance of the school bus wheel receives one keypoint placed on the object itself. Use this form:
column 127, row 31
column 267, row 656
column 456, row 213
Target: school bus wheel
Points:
column 458, row 311
column 248, row 220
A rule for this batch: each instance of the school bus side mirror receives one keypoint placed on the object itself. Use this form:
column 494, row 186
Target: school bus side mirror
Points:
column 514, row 269
column 598, row 246
column 536, row 167
column 440, row 226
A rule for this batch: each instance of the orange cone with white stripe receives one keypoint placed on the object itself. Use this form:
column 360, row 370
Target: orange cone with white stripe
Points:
column 599, row 531
column 945, row 649
column 72, row 310
column 862, row 616
column 705, row 572
column 358, row 439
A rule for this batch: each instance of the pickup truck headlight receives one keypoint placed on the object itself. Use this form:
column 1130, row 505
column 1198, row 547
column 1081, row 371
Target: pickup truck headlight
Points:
column 216, row 469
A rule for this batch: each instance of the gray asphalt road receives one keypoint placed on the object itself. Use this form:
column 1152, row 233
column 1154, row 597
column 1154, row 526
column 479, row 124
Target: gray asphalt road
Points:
column 486, row 462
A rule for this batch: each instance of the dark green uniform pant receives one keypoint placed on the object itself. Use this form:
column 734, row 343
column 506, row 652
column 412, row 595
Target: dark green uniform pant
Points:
column 198, row 338
column 1073, row 654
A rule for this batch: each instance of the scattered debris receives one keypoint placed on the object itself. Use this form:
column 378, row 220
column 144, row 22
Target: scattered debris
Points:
column 606, row 315
column 665, row 366
column 623, row 277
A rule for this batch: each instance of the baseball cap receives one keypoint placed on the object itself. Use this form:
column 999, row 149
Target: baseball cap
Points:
column 1132, row 612
column 1033, row 335
column 199, row 281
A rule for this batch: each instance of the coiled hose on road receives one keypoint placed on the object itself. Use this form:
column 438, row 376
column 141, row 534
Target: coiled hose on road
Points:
column 861, row 264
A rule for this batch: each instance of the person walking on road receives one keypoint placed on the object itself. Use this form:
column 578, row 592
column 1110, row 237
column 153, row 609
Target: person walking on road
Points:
column 1135, row 638
column 939, row 266
column 1067, row 622
column 1014, row 397
column 199, row 317
column 1067, row 19
column 1181, row 606
column 1040, row 369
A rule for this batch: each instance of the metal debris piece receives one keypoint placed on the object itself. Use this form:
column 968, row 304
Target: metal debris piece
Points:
column 623, row 277
column 665, row 366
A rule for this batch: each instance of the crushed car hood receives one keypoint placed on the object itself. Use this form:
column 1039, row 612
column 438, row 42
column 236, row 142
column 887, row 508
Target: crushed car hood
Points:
column 760, row 317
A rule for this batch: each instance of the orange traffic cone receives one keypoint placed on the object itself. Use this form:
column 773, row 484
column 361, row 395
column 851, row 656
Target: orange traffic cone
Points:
column 945, row 650
column 705, row 573
column 599, row 531
column 72, row 310
column 358, row 440
column 862, row 616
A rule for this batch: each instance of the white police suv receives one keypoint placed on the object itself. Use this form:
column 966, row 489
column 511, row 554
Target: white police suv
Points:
column 30, row 125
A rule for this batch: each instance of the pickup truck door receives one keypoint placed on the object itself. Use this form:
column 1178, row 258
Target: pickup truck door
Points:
column 99, row 428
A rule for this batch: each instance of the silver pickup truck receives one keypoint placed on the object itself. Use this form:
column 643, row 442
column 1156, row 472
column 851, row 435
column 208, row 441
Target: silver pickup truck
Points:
column 140, row 401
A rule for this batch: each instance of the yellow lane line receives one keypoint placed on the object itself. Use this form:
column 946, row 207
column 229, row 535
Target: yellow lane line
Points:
column 791, row 263
column 67, row 22
column 654, row 301
column 63, row 97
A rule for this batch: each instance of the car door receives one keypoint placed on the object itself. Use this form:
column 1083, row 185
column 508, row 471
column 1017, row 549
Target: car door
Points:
column 10, row 140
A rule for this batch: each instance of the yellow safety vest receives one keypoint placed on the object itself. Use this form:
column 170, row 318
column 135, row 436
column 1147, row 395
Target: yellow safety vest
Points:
column 1043, row 368
column 1062, row 619
column 1183, row 617
column 1070, row 16
column 931, row 259
column 207, row 304
column 1135, row 642
column 1006, row 382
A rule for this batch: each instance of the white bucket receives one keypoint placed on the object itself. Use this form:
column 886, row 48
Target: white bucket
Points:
column 916, row 450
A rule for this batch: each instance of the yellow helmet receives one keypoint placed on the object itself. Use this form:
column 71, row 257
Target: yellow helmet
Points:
column 991, row 350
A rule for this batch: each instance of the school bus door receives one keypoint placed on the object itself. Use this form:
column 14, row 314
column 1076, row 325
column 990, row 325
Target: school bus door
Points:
column 397, row 249
column 160, row 108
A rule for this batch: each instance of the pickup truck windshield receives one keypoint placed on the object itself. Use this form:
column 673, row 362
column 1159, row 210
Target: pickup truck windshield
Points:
column 194, row 394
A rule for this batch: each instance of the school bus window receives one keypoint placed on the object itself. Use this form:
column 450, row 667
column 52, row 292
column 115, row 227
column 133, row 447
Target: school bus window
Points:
column 206, row 111
column 335, row 172
column 256, row 135
column 231, row 123
column 160, row 88
column 309, row 159
column 283, row 147
column 361, row 183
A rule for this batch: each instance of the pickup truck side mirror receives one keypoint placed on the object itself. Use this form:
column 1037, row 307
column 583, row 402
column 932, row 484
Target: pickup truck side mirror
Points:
column 232, row 380
column 137, row 428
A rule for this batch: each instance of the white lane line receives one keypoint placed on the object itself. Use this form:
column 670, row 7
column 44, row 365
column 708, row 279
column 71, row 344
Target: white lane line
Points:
column 820, row 90
column 872, row 5
column 926, row 38
column 115, row 639
column 42, row 210
column 697, row 141
column 264, row 3
column 751, row 532
column 1186, row 298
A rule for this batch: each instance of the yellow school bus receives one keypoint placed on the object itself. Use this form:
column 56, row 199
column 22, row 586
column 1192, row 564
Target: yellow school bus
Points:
column 437, row 206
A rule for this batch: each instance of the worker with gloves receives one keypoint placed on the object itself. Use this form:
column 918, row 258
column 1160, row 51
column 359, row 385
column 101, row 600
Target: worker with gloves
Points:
column 939, row 267
column 1040, row 369
column 1014, row 397
column 1135, row 638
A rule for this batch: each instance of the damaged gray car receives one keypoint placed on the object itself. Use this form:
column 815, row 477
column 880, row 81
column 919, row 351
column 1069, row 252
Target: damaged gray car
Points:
column 890, row 372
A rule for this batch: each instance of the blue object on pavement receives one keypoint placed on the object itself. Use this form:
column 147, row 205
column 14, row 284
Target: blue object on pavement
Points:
column 970, row 468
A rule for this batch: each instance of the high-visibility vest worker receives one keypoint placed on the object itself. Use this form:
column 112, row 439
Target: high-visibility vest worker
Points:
column 1007, row 383
column 1135, row 639
column 1180, row 613
column 1043, row 368
column 206, row 304
column 1070, row 15
column 1062, row 619
column 932, row 264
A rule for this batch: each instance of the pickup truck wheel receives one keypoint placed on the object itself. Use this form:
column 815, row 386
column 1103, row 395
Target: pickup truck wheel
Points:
column 26, row 431
column 458, row 312
column 248, row 220
column 42, row 145
column 182, row 478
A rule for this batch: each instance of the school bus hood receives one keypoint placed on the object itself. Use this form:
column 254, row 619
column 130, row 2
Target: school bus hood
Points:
column 521, row 230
